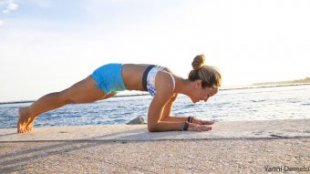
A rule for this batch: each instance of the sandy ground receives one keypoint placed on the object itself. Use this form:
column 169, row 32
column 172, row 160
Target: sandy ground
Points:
column 248, row 147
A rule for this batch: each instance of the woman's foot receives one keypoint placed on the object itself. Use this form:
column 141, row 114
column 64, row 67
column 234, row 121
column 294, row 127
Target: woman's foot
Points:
column 25, row 121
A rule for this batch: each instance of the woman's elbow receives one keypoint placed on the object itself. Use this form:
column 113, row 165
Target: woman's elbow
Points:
column 152, row 128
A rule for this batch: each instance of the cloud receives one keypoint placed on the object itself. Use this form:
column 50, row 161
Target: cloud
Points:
column 10, row 5
column 1, row 23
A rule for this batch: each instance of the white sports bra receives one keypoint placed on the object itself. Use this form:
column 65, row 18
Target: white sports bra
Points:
column 150, row 80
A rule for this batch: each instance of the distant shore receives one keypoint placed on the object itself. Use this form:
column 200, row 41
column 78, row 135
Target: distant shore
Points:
column 266, row 86
column 288, row 82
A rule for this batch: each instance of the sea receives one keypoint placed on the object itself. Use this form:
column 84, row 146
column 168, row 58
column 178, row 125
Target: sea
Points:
column 269, row 103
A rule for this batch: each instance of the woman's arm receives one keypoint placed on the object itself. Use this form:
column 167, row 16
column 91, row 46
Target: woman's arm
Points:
column 155, row 122
column 159, row 118
column 156, row 114
column 167, row 116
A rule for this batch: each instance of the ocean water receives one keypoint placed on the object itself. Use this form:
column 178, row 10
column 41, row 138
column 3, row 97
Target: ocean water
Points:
column 228, row 105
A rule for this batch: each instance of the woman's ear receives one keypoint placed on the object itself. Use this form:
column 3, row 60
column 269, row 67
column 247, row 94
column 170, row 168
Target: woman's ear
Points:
column 198, row 84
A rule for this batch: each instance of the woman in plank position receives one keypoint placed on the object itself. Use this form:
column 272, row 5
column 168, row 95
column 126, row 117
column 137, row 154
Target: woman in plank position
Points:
column 203, row 82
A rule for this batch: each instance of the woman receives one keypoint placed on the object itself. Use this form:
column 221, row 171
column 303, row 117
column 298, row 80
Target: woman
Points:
column 202, row 83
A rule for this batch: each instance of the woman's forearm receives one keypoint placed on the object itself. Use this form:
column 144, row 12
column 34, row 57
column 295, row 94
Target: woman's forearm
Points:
column 175, row 119
column 166, row 126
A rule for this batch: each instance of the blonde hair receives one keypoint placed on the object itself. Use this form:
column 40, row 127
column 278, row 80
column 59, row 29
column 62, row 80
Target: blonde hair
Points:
column 209, row 75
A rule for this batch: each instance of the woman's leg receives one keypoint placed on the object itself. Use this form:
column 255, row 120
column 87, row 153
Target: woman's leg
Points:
column 84, row 91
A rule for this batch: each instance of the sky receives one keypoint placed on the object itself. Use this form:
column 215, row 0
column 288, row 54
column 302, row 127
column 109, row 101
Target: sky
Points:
column 48, row 45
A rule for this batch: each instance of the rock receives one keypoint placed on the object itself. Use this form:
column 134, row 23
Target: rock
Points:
column 137, row 120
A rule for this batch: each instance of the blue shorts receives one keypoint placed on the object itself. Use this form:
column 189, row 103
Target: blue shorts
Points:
column 109, row 78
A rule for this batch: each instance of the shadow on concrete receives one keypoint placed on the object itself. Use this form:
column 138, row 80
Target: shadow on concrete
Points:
column 16, row 161
column 8, row 134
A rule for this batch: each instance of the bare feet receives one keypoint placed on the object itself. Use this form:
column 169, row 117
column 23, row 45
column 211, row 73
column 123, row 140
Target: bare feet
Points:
column 198, row 127
column 202, row 122
column 25, row 121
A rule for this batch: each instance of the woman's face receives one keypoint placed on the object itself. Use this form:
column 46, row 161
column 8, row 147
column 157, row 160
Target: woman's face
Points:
column 202, row 94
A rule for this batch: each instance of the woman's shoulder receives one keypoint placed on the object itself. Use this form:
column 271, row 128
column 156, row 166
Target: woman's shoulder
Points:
column 165, row 82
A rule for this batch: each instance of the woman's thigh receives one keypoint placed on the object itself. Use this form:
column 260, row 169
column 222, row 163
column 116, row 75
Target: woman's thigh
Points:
column 84, row 91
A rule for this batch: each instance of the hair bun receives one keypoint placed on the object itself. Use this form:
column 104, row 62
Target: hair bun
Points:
column 198, row 61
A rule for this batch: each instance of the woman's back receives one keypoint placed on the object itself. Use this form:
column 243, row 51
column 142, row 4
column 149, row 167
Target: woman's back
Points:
column 133, row 76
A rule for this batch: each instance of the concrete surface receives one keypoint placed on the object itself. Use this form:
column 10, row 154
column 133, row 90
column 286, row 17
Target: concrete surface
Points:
column 232, row 147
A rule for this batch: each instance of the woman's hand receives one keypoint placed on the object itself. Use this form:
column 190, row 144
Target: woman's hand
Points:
column 202, row 122
column 198, row 127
